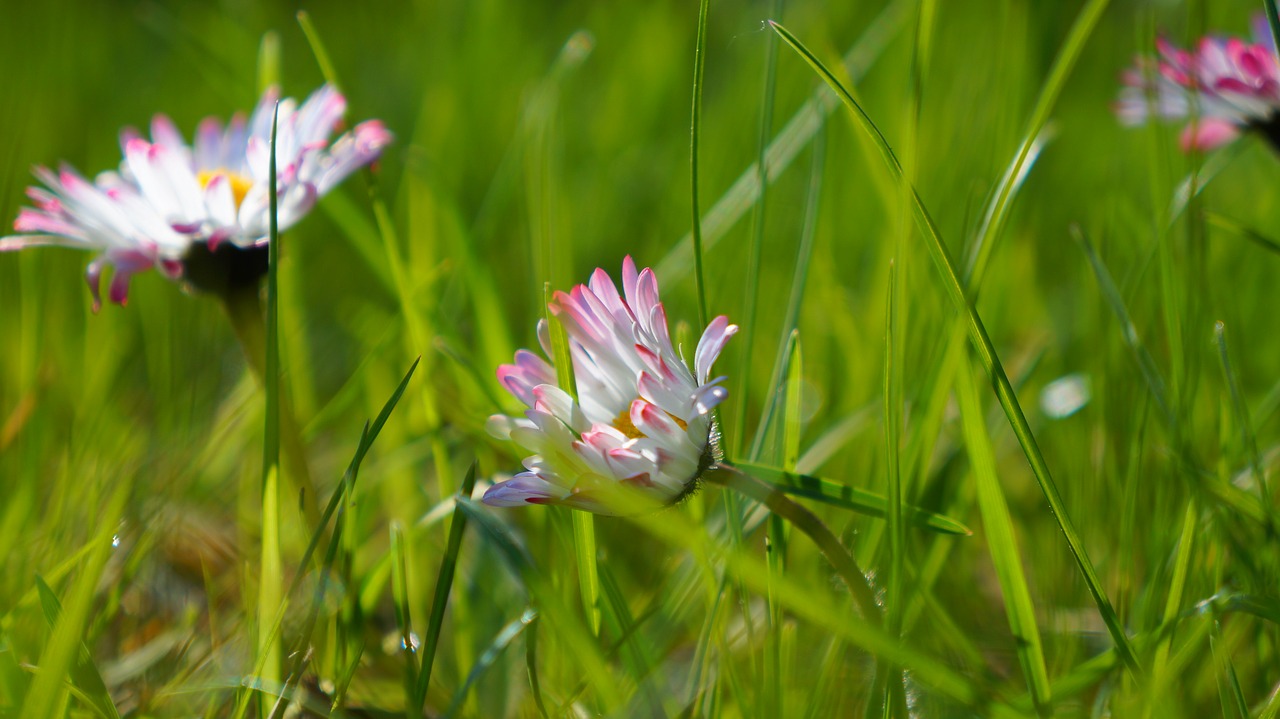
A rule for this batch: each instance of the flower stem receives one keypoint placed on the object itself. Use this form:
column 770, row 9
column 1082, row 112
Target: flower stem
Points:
column 804, row 520
column 244, row 309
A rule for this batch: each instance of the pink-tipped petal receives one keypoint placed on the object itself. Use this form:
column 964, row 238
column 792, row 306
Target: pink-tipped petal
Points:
column 709, row 347
column 1207, row 135
column 522, row 489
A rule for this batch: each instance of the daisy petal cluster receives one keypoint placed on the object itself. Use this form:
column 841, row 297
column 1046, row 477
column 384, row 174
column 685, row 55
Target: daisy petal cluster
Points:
column 170, row 201
column 1226, row 85
column 642, row 418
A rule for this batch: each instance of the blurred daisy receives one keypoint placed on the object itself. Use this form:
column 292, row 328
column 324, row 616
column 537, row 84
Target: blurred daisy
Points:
column 198, row 213
column 1226, row 86
column 642, row 418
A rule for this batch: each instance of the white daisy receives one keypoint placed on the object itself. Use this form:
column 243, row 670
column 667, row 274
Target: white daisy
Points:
column 642, row 418
column 172, row 206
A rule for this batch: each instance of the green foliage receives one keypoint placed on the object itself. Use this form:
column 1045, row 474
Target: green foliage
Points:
column 919, row 558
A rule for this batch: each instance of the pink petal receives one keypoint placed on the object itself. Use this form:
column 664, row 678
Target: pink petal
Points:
column 709, row 347
column 524, row 488
column 1207, row 134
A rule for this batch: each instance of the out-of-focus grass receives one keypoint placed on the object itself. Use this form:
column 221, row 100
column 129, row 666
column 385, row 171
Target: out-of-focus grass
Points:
column 536, row 141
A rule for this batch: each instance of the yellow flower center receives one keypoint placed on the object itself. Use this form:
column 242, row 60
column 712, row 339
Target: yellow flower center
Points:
column 623, row 424
column 240, row 184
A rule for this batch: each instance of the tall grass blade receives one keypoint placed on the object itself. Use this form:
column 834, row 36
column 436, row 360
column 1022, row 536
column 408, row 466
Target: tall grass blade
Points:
column 699, row 65
column 490, row 655
column 271, row 573
column 317, row 49
column 752, row 284
column 1247, row 437
column 893, row 702
column 444, row 586
column 1129, row 330
column 737, row 479
column 1273, row 21
column 400, row 598
column 584, row 528
column 1229, row 692
column 1240, row 230
column 799, row 278
column 62, row 651
column 986, row 352
column 1002, row 544
column 1173, row 600
column 851, row 498
column 803, row 127
column 83, row 674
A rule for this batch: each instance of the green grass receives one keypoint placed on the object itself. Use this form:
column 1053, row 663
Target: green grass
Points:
column 911, row 531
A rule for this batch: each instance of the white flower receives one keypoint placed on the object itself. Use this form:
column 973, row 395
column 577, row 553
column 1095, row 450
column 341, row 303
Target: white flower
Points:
column 642, row 417
column 170, row 202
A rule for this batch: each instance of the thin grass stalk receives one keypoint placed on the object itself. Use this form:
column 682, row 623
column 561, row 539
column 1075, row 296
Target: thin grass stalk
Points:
column 400, row 599
column 776, row 536
column 584, row 528
column 48, row 689
column 271, row 573
column 1241, row 411
column 1002, row 545
column 986, row 350
column 444, row 586
column 317, row 48
column 804, row 126
column 800, row 277
column 894, row 702
column 804, row 520
column 699, row 64
column 1172, row 606
column 418, row 329
column 752, row 284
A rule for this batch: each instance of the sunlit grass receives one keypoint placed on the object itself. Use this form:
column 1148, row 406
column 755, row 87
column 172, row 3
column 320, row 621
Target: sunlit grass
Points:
column 910, row 525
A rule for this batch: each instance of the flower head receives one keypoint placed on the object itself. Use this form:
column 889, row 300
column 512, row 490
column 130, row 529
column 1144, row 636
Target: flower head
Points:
column 642, row 418
column 1226, row 84
column 183, row 208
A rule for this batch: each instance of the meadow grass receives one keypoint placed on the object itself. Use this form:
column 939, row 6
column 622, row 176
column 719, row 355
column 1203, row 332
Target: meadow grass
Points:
column 952, row 228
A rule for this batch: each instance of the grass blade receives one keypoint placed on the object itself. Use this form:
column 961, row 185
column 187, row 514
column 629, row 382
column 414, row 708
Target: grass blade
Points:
column 986, row 353
column 84, row 674
column 851, row 498
column 1002, row 544
column 444, row 585
column 271, row 573
column 735, row 478
column 1242, row 413
column 803, row 127
column 752, row 285
column 699, row 65
column 1128, row 329
column 490, row 655
column 799, row 278
column 400, row 597
column 1173, row 601
column 62, row 651
column 893, row 700
column 1273, row 21
column 317, row 49
column 1247, row 233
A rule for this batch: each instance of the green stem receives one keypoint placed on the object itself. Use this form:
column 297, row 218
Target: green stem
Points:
column 244, row 309
column 804, row 520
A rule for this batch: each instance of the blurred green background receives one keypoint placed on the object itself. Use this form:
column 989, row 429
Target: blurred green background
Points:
column 519, row 123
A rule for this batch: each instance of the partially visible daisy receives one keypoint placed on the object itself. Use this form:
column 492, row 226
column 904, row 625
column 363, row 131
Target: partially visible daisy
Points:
column 642, row 418
column 198, row 213
column 1226, row 85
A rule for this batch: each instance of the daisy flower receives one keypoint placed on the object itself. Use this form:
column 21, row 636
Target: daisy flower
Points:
column 1226, row 85
column 198, row 212
column 642, row 418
